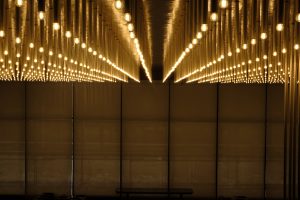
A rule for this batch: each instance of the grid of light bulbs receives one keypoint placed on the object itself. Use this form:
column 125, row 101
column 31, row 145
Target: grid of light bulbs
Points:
column 226, row 49
column 46, row 43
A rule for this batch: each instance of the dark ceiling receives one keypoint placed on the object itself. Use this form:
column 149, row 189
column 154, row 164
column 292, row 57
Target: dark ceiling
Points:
column 159, row 10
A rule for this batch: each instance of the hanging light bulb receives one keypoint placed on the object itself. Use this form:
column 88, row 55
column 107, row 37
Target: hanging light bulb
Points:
column 31, row 45
column 68, row 34
column 130, row 27
column 279, row 27
column 132, row 35
column 127, row 17
column 2, row 34
column 204, row 27
column 18, row 40
column 199, row 35
column 118, row 4
column 56, row 26
column 83, row 45
column 41, row 49
column 41, row 15
column 296, row 46
column 223, row 4
column 195, row 41
column 253, row 41
column 298, row 17
column 263, row 36
column 76, row 40
column 19, row 3
column 213, row 16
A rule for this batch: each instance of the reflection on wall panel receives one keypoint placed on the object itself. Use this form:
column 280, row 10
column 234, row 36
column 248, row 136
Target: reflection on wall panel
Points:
column 193, row 135
column 145, row 128
column 275, row 138
column 12, row 138
column 97, row 138
column 241, row 140
column 49, row 136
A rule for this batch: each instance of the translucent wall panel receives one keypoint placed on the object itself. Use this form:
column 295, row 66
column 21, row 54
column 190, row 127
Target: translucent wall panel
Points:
column 275, row 142
column 97, row 138
column 49, row 133
column 241, row 140
column 193, row 136
column 145, row 128
column 12, row 130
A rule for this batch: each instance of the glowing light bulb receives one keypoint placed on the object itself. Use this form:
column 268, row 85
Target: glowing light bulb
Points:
column 68, row 34
column 204, row 27
column 18, row 40
column 118, row 4
column 229, row 54
column 244, row 46
column 31, row 45
column 296, row 46
column 132, row 35
column 41, row 15
column 263, row 36
column 214, row 17
column 76, row 40
column 127, row 17
column 238, row 50
column 195, row 41
column 223, row 4
column 5, row 52
column 19, row 3
column 199, row 35
column 18, row 55
column 130, row 27
column 265, row 57
column 2, row 34
column 191, row 46
column 83, row 45
column 274, row 53
column 253, row 41
column 279, row 27
column 41, row 49
column 283, row 50
column 298, row 17
column 56, row 26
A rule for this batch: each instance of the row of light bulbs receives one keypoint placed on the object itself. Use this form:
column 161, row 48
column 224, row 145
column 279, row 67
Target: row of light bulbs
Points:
column 64, row 41
column 145, row 60
column 239, row 43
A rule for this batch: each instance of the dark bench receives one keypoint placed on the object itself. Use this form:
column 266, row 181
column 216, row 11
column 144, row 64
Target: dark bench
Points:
column 155, row 191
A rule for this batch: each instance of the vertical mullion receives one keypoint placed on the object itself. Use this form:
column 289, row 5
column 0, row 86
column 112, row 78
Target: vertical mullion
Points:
column 217, row 142
column 25, row 143
column 73, row 145
column 121, row 141
column 169, row 134
column 265, row 140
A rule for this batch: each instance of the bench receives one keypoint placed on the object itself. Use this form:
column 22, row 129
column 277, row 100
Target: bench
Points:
column 155, row 191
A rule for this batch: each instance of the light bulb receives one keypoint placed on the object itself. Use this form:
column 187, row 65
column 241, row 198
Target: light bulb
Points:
column 223, row 3
column 56, row 26
column 195, row 41
column 199, row 35
column 244, row 46
column 127, row 17
column 263, row 36
column 265, row 57
column 253, row 41
column 18, row 40
column 279, row 27
column 41, row 15
column 191, row 46
column 50, row 53
column 204, row 27
column 274, row 53
column 130, row 27
column 118, row 4
column 83, row 45
column 283, row 50
column 132, row 35
column 68, row 34
column 229, row 54
column 76, row 40
column 41, row 49
column 6, row 52
column 238, row 50
column 296, row 46
column 19, row 3
column 298, row 17
column 31, row 45
column 213, row 16
column 2, row 34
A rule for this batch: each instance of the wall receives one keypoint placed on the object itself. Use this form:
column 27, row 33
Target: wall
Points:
column 225, row 140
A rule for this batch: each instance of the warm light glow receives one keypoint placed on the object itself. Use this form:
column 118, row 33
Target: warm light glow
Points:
column 296, row 46
column 298, row 17
column 213, row 17
column 263, row 36
column 204, row 27
column 195, row 41
column 18, row 40
column 41, row 15
column 283, row 50
column 132, row 35
column 19, row 3
column 238, row 50
column 2, row 34
column 279, row 27
column 253, row 41
column 41, row 49
column 31, row 45
column 244, row 46
column 83, row 45
column 56, row 26
column 68, row 34
column 127, row 17
column 118, row 4
column 199, row 35
column 223, row 3
column 130, row 27
column 76, row 40
column 229, row 54
column 274, row 53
